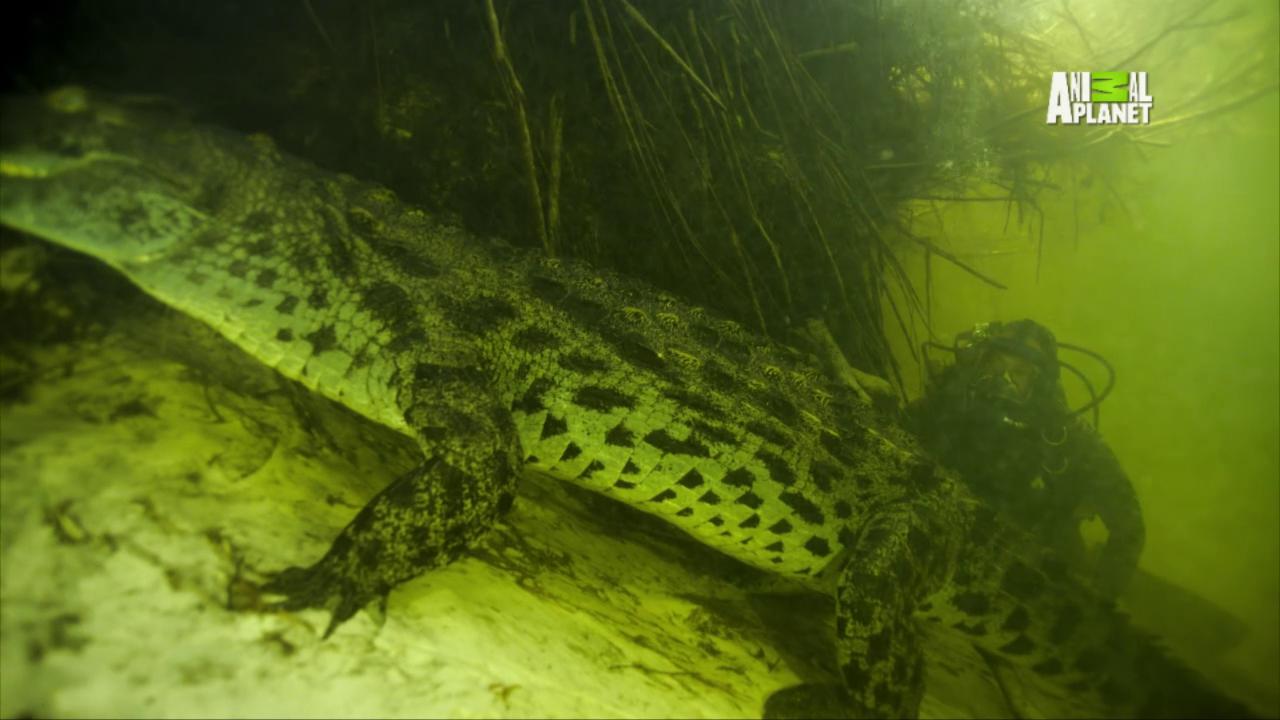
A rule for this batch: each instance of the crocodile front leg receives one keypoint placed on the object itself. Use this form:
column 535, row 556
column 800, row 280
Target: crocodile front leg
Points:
column 877, row 635
column 428, row 516
column 904, row 553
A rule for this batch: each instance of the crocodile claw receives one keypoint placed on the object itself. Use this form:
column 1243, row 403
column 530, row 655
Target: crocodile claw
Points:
column 316, row 587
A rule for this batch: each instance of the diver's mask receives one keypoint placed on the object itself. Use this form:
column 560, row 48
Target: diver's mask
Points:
column 1000, row 367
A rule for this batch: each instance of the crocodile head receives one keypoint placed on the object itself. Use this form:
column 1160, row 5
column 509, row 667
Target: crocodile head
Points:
column 76, row 169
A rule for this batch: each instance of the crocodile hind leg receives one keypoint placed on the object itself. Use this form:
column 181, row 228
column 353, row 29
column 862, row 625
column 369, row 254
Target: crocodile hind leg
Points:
column 425, row 518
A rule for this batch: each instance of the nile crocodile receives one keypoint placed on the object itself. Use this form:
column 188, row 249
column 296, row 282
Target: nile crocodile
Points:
column 499, row 362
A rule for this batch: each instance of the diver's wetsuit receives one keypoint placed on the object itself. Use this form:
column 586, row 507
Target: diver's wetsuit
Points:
column 1047, row 472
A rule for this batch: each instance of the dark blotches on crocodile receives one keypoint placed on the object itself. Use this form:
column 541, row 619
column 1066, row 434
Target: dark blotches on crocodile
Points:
column 739, row 478
column 534, row 340
column 258, row 221
column 768, row 432
column 581, row 364
column 238, row 268
column 284, row 335
column 602, row 399
column 1017, row 621
column 843, row 509
column 546, row 289
column 322, row 340
column 408, row 260
column 665, row 442
column 532, row 399
column 709, row 498
column 751, row 500
column 261, row 246
column 775, row 546
column 720, row 379
column 570, row 452
column 302, row 255
column 208, row 238
column 619, row 436
column 338, row 258
column 778, row 468
column 630, row 468
column 213, row 196
column 585, row 312
column 624, row 485
column 878, row 647
column 390, row 304
column 695, row 402
column 972, row 603
column 691, row 479
column 803, row 507
column 976, row 630
column 819, row 547
column 287, row 305
column 663, row 496
column 713, row 433
column 479, row 315
column 632, row 348
column 318, row 299
column 842, row 449
column 406, row 339
column 780, row 407
column 751, row 522
column 686, row 512
column 362, row 359
column 431, row 374
column 717, row 521
column 782, row 527
column 266, row 279
column 591, row 469
column 251, row 303
column 369, row 551
column 553, row 426
column 825, row 475
column 1022, row 582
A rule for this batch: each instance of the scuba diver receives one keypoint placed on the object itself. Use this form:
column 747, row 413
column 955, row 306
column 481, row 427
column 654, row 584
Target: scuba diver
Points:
column 998, row 416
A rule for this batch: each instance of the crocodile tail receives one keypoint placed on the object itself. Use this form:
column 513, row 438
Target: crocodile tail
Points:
column 1020, row 601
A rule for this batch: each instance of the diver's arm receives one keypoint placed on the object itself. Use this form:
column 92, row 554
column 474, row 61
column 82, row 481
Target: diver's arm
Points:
column 1112, row 496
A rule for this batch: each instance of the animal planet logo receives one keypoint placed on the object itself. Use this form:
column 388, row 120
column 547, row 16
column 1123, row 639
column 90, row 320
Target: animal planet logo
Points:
column 1099, row 98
